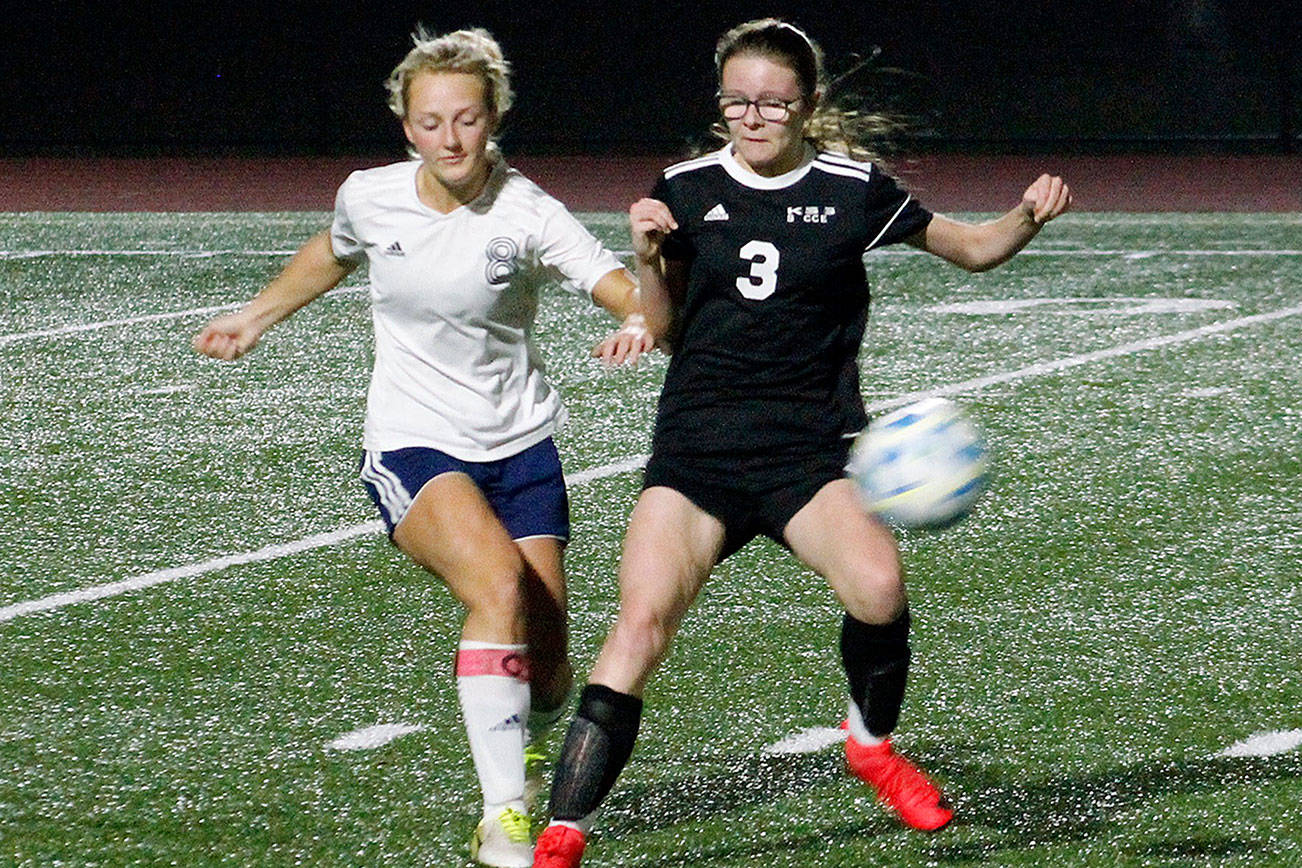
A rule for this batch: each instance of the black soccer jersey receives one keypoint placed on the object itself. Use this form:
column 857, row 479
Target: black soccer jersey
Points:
column 765, row 363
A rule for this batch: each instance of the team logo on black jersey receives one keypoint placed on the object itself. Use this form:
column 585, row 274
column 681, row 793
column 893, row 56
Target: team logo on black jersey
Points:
column 810, row 213
column 501, row 253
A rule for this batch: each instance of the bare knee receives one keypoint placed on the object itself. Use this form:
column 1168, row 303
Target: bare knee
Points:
column 639, row 641
column 873, row 591
column 497, row 592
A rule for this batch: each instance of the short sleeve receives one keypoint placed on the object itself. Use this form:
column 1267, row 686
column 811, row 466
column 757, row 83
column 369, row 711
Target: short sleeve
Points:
column 343, row 237
column 893, row 211
column 571, row 250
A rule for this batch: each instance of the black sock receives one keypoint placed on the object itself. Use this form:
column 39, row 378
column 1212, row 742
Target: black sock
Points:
column 876, row 660
column 597, row 747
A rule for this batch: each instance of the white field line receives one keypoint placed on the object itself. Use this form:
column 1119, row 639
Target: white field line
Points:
column 97, row 592
column 809, row 740
column 135, row 320
column 1265, row 744
column 110, row 323
column 1095, row 252
column 899, row 251
column 147, row 580
column 371, row 737
column 1142, row 254
column 1086, row 358
column 208, row 311
column 1261, row 744
column 185, row 254
column 266, row 553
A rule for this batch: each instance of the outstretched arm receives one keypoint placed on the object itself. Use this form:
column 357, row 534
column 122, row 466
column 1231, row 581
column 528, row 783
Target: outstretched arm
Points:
column 312, row 271
column 618, row 293
column 982, row 246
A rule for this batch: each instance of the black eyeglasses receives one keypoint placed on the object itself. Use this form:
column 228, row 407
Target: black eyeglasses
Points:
column 770, row 108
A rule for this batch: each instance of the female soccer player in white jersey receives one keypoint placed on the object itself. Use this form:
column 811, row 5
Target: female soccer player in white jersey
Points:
column 756, row 252
column 457, row 449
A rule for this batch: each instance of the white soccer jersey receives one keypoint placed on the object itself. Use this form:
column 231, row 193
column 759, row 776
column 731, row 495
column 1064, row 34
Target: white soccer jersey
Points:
column 453, row 298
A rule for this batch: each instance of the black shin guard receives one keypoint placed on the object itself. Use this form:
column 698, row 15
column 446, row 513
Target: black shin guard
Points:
column 876, row 660
column 597, row 747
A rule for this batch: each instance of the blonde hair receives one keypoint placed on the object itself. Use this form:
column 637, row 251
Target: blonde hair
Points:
column 830, row 128
column 474, row 52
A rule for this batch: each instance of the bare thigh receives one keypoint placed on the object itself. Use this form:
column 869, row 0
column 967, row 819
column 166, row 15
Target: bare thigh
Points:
column 836, row 537
column 452, row 532
column 669, row 549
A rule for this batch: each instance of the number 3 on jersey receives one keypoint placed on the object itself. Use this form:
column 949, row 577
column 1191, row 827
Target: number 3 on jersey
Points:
column 763, row 277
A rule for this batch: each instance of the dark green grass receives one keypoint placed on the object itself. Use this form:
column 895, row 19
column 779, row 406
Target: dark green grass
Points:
column 1123, row 605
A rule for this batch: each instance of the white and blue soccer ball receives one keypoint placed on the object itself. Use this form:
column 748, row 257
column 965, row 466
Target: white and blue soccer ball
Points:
column 922, row 466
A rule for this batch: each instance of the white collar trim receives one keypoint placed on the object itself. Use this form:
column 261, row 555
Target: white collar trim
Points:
column 746, row 177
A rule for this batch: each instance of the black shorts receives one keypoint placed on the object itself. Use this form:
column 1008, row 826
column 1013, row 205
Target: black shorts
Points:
column 758, row 498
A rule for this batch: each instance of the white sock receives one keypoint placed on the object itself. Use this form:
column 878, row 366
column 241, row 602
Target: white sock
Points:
column 493, row 686
column 855, row 726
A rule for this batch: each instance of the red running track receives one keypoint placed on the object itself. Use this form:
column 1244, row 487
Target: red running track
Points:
column 950, row 183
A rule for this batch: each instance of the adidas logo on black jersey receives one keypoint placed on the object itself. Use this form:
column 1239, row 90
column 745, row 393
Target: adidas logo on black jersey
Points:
column 718, row 212
column 394, row 249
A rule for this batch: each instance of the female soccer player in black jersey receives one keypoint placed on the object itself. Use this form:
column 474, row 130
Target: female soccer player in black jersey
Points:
column 754, row 254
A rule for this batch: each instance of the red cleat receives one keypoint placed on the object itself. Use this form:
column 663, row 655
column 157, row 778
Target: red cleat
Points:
column 899, row 784
column 559, row 847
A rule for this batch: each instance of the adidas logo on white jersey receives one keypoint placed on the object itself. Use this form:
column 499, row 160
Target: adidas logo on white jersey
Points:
column 718, row 212
column 394, row 249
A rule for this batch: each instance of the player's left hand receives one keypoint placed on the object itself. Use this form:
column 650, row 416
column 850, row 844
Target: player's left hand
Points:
column 626, row 345
column 1044, row 200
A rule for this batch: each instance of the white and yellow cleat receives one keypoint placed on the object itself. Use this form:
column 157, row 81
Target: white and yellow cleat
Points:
column 502, row 840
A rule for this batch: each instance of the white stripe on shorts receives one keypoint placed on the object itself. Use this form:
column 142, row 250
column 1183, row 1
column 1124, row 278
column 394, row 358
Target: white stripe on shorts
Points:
column 394, row 497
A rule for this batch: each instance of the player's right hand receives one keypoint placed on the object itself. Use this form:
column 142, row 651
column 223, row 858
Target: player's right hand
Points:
column 649, row 222
column 228, row 337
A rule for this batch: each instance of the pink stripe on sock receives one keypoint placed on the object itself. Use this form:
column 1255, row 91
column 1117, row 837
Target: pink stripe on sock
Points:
column 492, row 661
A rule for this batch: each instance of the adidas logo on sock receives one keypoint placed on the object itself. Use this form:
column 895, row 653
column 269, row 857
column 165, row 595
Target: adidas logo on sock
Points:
column 718, row 212
column 394, row 249
column 512, row 722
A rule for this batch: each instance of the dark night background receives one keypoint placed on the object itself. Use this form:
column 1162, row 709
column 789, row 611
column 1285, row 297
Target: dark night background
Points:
column 636, row 77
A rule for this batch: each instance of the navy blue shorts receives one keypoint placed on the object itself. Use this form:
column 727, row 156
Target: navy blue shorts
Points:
column 525, row 490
